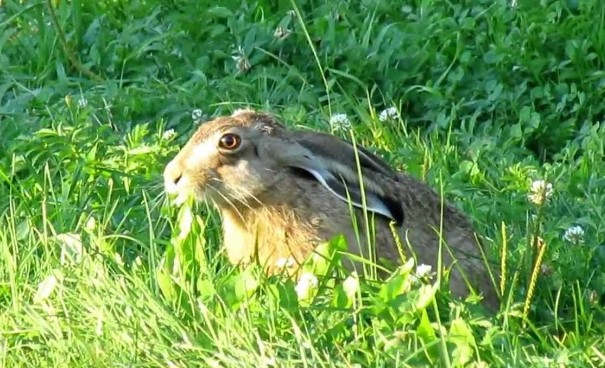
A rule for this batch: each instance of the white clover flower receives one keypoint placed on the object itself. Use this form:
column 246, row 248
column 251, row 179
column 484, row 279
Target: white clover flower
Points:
column 281, row 33
column 169, row 134
column 423, row 270
column 351, row 285
column 197, row 115
column 574, row 235
column 241, row 60
column 546, row 269
column 82, row 102
column 285, row 262
column 243, row 64
column 306, row 284
column 388, row 114
column 540, row 192
column 340, row 122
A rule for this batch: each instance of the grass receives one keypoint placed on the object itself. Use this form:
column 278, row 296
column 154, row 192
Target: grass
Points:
column 97, row 270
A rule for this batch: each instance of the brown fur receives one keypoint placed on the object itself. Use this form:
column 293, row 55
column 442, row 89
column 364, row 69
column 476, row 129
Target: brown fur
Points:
column 269, row 210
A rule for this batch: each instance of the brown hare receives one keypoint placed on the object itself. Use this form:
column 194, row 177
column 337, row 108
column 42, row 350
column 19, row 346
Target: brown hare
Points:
column 281, row 192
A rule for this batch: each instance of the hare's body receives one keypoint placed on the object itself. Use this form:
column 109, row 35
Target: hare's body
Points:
column 282, row 192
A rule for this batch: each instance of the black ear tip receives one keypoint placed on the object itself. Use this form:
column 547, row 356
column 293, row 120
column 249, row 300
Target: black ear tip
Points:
column 396, row 210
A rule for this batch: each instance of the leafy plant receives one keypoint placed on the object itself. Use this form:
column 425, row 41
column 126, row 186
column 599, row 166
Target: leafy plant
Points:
column 487, row 101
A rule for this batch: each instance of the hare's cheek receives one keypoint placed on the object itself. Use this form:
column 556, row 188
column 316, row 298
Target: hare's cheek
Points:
column 239, row 187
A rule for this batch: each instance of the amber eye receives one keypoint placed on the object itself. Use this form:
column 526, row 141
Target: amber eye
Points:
column 230, row 141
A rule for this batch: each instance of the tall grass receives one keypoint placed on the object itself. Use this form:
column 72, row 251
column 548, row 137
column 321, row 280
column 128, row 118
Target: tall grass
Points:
column 97, row 269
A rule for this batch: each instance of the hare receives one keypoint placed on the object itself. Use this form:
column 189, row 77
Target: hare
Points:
column 281, row 192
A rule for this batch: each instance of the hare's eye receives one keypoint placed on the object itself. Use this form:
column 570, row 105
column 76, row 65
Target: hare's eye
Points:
column 230, row 141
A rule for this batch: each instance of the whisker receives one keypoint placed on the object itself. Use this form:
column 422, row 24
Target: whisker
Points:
column 228, row 201
column 239, row 198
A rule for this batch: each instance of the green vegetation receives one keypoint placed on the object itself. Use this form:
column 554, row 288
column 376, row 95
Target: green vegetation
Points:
column 96, row 96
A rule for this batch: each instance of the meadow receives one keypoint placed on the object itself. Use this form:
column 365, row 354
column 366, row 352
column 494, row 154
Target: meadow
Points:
column 496, row 104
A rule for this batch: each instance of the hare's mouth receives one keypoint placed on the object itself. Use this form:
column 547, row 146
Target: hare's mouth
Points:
column 181, row 192
column 182, row 196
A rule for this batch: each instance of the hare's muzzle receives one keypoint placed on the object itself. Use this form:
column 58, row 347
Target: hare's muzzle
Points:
column 173, row 173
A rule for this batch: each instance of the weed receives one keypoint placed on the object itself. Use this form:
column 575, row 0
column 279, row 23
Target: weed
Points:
column 498, row 105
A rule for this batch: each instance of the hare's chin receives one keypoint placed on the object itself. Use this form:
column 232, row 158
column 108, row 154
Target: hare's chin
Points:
column 180, row 197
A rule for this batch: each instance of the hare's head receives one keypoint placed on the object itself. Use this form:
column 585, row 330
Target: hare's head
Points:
column 239, row 159
column 223, row 162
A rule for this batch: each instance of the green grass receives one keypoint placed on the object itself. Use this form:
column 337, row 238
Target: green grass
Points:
column 96, row 269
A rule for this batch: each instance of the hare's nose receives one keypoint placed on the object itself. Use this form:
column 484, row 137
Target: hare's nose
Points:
column 172, row 175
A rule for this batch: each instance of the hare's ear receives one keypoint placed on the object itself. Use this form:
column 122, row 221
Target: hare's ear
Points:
column 341, row 180
column 340, row 151
column 347, row 191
